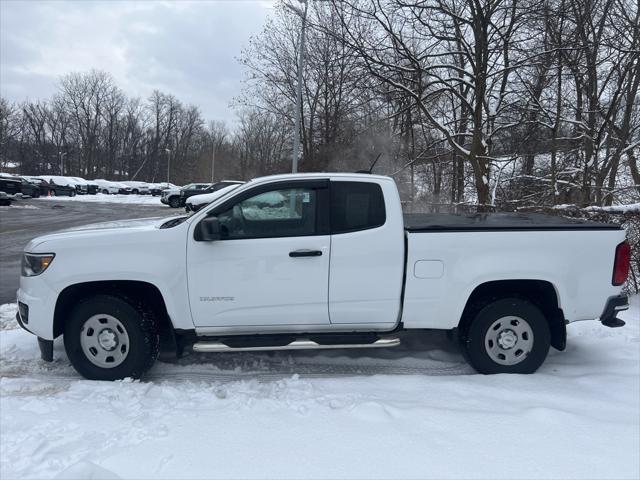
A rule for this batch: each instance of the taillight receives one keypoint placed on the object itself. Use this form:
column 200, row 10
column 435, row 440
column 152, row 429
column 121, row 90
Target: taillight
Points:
column 621, row 264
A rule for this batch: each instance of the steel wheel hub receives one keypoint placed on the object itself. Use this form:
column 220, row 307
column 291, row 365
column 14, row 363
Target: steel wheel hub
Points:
column 104, row 341
column 108, row 339
column 509, row 340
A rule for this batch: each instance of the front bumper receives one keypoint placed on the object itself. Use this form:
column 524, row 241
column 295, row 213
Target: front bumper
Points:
column 40, row 299
column 614, row 305
column 45, row 346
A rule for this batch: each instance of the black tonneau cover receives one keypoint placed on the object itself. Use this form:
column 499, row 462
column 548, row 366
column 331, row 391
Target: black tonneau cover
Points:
column 444, row 222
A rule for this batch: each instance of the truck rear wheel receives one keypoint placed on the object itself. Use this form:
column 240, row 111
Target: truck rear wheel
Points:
column 509, row 335
column 107, row 338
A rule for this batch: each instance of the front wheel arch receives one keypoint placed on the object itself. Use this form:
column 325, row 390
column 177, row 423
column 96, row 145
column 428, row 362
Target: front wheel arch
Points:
column 109, row 338
column 145, row 294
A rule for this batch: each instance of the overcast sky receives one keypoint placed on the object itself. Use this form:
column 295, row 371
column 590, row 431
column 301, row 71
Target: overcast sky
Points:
column 185, row 48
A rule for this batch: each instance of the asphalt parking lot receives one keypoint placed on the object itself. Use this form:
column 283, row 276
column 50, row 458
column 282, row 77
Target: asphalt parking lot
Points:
column 27, row 219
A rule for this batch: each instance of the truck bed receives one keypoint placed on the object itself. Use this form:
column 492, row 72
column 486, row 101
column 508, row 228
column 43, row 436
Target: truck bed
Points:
column 444, row 222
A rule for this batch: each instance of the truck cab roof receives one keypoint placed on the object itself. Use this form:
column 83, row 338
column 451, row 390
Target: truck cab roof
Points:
column 303, row 176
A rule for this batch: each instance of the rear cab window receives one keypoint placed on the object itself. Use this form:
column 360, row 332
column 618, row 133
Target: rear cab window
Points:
column 356, row 206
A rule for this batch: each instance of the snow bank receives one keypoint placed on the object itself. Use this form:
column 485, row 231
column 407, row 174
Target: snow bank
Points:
column 412, row 412
column 8, row 316
column 101, row 198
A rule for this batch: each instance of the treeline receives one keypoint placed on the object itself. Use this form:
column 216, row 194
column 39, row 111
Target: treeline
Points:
column 509, row 102
column 90, row 128
column 501, row 103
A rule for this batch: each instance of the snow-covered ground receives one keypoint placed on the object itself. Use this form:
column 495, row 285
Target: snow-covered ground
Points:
column 412, row 412
column 101, row 198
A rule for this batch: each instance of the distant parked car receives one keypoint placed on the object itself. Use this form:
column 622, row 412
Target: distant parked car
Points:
column 177, row 197
column 28, row 188
column 9, row 185
column 92, row 187
column 124, row 189
column 157, row 188
column 41, row 183
column 186, row 194
column 171, row 196
column 141, row 188
column 82, row 187
column 107, row 186
column 61, row 186
column 196, row 202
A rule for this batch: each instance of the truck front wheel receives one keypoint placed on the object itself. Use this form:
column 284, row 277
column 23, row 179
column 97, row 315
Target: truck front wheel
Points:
column 510, row 335
column 174, row 202
column 107, row 338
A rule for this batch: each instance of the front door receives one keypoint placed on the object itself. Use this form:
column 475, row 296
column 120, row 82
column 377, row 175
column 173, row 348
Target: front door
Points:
column 271, row 266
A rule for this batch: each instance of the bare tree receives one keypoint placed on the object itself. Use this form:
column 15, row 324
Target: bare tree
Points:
column 9, row 128
column 452, row 58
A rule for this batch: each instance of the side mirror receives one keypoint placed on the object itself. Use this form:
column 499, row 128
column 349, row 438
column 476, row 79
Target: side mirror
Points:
column 209, row 229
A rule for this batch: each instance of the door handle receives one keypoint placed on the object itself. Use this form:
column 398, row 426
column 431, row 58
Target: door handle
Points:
column 305, row 253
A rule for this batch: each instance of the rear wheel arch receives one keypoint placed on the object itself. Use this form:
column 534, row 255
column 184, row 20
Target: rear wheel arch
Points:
column 541, row 293
column 142, row 295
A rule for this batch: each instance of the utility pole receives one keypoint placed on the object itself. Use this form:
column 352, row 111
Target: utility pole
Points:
column 298, row 112
column 62, row 155
column 168, row 150
column 213, row 159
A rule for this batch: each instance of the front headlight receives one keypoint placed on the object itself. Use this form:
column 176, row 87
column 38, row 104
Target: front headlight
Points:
column 35, row 263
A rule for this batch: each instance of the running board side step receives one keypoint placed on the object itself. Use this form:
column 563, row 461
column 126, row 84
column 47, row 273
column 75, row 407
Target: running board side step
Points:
column 295, row 345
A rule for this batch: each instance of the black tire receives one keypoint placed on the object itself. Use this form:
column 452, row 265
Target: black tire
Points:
column 140, row 327
column 72, row 193
column 475, row 338
column 36, row 194
column 134, row 191
column 105, row 192
column 174, row 202
column 52, row 193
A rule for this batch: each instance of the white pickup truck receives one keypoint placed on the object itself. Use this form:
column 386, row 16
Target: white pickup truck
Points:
column 318, row 261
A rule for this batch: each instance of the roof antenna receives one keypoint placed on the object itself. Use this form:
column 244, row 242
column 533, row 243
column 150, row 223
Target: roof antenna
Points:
column 372, row 165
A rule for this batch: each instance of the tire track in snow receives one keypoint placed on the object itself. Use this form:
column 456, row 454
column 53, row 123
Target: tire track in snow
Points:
column 165, row 372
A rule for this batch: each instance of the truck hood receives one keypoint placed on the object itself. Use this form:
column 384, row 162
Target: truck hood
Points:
column 111, row 229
